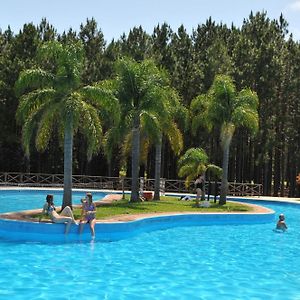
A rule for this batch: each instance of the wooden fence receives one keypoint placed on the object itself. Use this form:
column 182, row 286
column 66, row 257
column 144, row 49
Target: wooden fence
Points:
column 115, row 183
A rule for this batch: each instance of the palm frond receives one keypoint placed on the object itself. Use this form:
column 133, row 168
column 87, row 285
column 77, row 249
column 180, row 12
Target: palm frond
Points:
column 222, row 93
column 91, row 128
column 215, row 170
column 47, row 124
column 192, row 163
column 175, row 137
column 200, row 113
column 247, row 98
column 27, row 133
column 151, row 126
column 29, row 128
column 127, row 142
column 187, row 170
column 112, row 140
column 33, row 79
column 188, row 180
column 33, row 101
column 104, row 100
column 246, row 117
column 193, row 156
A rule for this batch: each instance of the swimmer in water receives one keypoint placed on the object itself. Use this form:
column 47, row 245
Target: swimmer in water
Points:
column 281, row 225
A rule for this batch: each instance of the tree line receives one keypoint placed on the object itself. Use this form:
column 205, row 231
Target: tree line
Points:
column 260, row 55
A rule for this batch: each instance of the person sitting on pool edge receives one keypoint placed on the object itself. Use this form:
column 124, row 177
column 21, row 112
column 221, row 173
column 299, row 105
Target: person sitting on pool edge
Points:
column 281, row 225
column 66, row 215
column 88, row 214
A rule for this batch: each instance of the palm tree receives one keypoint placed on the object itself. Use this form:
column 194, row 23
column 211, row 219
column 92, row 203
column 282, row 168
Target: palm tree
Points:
column 194, row 162
column 226, row 109
column 139, row 87
column 53, row 98
column 165, row 127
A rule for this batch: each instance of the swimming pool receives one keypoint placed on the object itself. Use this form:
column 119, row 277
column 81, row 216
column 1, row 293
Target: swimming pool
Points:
column 24, row 199
column 196, row 262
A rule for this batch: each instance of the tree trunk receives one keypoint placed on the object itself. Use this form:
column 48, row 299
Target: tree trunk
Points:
column 283, row 170
column 224, row 184
column 68, row 152
column 157, row 170
column 135, row 159
column 277, row 171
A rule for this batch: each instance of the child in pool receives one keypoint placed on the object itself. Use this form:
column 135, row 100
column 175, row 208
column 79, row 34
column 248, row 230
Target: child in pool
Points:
column 281, row 225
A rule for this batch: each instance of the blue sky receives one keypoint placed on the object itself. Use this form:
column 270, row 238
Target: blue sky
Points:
column 115, row 17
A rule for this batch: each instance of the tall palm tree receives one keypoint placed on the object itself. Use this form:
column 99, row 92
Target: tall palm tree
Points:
column 52, row 98
column 193, row 163
column 170, row 131
column 139, row 87
column 225, row 108
column 165, row 126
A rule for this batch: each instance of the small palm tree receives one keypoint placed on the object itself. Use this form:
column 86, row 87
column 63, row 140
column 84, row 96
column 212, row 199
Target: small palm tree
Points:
column 53, row 98
column 226, row 109
column 194, row 162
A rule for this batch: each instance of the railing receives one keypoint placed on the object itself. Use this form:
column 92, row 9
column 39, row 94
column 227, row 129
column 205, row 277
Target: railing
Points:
column 115, row 183
column 234, row 188
column 57, row 180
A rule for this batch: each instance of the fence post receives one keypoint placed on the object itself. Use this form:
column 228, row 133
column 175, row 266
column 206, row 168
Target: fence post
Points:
column 162, row 186
column 142, row 182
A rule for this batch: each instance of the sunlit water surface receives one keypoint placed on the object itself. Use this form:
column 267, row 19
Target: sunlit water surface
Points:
column 17, row 200
column 201, row 262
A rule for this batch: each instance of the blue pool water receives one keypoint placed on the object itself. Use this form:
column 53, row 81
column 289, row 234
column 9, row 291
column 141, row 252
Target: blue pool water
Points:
column 199, row 262
column 17, row 200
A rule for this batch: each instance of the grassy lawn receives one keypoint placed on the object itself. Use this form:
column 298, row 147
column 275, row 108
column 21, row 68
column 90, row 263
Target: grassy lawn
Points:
column 165, row 205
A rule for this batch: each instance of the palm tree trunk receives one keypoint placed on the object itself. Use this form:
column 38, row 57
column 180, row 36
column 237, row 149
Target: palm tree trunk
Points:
column 135, row 160
column 224, row 184
column 68, row 158
column 157, row 170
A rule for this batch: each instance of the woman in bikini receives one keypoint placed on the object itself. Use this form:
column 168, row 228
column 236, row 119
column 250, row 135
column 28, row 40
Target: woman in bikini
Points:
column 66, row 215
column 88, row 214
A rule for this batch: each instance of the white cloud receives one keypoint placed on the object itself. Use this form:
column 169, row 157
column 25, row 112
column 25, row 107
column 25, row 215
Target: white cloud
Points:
column 294, row 6
column 295, row 32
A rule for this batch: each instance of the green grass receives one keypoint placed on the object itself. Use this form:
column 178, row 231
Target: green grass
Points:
column 165, row 205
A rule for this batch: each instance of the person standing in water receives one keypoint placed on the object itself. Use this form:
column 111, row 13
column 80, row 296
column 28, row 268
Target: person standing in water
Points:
column 281, row 225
